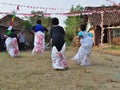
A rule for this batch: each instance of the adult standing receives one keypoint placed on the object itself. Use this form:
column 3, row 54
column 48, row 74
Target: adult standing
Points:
column 22, row 41
column 57, row 39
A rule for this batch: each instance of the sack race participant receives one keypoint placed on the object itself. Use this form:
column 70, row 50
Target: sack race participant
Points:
column 58, row 58
column 12, row 44
column 11, row 39
column 83, row 54
column 39, row 43
column 57, row 35
column 39, row 38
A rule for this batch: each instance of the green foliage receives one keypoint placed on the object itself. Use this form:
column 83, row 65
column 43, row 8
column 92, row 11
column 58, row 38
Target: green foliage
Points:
column 103, row 5
column 77, row 8
column 114, row 47
column 27, row 25
column 47, row 37
column 37, row 15
column 46, row 21
column 72, row 23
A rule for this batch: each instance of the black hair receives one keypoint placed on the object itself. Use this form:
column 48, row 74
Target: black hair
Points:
column 38, row 21
column 55, row 21
column 83, row 27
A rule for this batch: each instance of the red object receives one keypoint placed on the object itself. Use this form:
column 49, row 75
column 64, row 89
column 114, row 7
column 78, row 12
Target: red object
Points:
column 18, row 7
column 11, row 23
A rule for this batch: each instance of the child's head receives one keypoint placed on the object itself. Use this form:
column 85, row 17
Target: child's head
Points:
column 55, row 21
column 83, row 27
column 38, row 21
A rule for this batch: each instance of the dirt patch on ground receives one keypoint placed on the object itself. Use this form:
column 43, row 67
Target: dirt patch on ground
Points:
column 35, row 72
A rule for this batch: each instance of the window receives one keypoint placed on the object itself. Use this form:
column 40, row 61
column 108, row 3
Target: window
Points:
column 116, row 33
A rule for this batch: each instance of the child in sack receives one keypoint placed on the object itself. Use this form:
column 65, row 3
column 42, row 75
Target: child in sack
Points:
column 57, row 35
column 83, row 55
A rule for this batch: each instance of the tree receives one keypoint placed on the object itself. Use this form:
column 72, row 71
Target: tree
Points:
column 46, row 21
column 72, row 23
column 27, row 25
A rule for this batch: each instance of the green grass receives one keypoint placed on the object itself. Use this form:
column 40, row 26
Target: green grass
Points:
column 115, row 47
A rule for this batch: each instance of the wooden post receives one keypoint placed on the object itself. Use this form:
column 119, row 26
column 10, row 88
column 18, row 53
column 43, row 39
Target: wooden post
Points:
column 110, row 37
column 102, row 32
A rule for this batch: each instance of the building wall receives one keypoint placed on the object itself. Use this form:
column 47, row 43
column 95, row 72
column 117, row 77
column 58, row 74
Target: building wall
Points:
column 3, row 31
column 116, row 40
column 29, row 38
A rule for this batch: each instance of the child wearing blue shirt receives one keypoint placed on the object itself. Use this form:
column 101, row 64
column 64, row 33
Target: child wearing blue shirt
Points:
column 83, row 55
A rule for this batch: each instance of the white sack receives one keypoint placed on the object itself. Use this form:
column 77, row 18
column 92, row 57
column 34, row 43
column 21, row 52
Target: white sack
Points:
column 12, row 46
column 39, row 42
column 58, row 58
column 83, row 54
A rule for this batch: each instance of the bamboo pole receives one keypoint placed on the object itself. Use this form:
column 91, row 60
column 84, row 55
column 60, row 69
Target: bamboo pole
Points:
column 102, row 32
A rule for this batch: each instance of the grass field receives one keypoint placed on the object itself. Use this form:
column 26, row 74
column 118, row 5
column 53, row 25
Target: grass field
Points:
column 35, row 72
